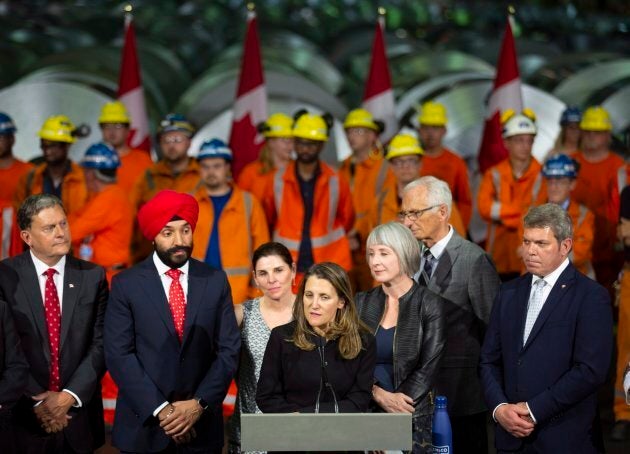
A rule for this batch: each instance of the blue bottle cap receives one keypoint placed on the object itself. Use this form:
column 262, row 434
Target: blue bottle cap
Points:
column 440, row 401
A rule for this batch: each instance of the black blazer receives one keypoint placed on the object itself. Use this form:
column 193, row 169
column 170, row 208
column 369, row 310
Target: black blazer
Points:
column 290, row 377
column 81, row 361
column 150, row 366
column 419, row 339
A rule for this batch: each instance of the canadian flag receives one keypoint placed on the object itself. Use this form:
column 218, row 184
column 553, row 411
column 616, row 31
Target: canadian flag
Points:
column 250, row 107
column 130, row 91
column 506, row 94
column 378, row 97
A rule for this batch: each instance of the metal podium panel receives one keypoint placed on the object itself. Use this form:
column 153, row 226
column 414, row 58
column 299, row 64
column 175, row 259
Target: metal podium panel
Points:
column 326, row 432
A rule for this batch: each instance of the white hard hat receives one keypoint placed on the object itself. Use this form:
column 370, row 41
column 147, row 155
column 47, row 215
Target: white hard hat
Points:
column 518, row 124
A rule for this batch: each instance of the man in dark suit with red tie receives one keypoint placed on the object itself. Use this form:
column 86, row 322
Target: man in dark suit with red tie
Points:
column 58, row 304
column 171, row 339
column 548, row 346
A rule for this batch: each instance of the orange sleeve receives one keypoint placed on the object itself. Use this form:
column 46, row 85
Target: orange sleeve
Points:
column 260, row 230
column 89, row 219
column 345, row 209
column 491, row 206
column 20, row 192
column 583, row 236
column 247, row 178
column 486, row 196
column 462, row 195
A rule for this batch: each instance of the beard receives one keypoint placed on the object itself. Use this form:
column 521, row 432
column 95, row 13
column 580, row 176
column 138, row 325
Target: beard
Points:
column 168, row 255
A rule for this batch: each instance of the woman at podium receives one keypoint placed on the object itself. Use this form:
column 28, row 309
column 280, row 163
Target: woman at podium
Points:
column 274, row 274
column 409, row 325
column 322, row 361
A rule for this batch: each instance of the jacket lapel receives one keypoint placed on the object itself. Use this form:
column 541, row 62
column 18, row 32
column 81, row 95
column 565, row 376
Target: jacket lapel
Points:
column 439, row 281
column 156, row 296
column 559, row 290
column 29, row 285
column 522, row 300
column 71, row 288
column 196, row 290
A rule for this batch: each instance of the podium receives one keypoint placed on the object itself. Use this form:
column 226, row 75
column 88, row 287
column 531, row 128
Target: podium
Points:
column 326, row 432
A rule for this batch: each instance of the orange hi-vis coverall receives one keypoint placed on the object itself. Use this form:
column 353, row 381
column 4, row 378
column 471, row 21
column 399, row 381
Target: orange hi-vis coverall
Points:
column 450, row 167
column 252, row 180
column 503, row 201
column 133, row 164
column 333, row 214
column 74, row 193
column 387, row 207
column 10, row 242
column 242, row 228
column 105, row 223
column 598, row 187
column 157, row 177
column 10, row 178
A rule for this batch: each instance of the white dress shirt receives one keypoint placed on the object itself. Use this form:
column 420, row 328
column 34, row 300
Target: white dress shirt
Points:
column 166, row 284
column 59, row 267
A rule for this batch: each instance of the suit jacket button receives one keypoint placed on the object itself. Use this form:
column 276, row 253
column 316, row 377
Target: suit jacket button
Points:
column 518, row 363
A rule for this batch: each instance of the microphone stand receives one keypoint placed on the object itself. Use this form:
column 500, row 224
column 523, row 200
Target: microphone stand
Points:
column 323, row 381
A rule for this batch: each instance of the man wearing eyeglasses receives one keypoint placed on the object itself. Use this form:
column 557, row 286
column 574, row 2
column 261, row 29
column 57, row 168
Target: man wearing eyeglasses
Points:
column 176, row 171
column 309, row 205
column 405, row 156
column 114, row 122
column 463, row 274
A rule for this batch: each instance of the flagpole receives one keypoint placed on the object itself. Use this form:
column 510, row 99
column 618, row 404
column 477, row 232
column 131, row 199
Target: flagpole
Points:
column 382, row 11
column 128, row 10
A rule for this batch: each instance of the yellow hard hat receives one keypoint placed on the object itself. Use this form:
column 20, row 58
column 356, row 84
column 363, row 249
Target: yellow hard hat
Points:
column 403, row 145
column 309, row 126
column 596, row 118
column 361, row 118
column 432, row 114
column 57, row 128
column 277, row 125
column 114, row 112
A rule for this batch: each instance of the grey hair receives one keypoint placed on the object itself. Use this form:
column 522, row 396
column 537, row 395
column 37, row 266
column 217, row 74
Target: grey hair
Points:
column 33, row 205
column 438, row 192
column 399, row 239
column 552, row 216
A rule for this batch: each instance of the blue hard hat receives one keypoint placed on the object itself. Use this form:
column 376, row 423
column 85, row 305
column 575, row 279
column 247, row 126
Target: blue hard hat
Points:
column 571, row 114
column 560, row 166
column 214, row 148
column 100, row 156
column 176, row 122
column 7, row 127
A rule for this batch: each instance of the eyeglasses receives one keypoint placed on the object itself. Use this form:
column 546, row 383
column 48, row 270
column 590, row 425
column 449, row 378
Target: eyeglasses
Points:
column 414, row 215
column 357, row 131
column 176, row 139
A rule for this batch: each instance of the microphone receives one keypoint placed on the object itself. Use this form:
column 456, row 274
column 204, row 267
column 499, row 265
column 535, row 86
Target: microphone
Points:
column 323, row 381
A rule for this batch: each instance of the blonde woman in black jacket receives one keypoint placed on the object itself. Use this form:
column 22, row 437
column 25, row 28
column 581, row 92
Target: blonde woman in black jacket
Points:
column 409, row 325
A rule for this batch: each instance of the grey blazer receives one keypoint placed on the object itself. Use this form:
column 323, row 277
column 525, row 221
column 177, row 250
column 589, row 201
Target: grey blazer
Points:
column 466, row 277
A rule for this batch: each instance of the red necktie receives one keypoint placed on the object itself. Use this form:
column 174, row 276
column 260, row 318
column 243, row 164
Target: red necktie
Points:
column 53, row 322
column 177, row 301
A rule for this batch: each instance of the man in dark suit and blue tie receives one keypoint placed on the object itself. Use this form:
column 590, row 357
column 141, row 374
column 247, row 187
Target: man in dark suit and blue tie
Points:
column 58, row 305
column 548, row 346
column 171, row 339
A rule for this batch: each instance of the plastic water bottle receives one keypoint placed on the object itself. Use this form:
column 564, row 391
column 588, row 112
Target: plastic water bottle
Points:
column 442, row 434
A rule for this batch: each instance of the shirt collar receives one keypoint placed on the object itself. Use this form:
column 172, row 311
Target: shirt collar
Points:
column 41, row 267
column 162, row 268
column 438, row 248
column 552, row 277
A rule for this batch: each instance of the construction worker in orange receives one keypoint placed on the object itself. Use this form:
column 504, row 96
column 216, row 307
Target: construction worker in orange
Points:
column 231, row 223
column 176, row 171
column 560, row 173
column 11, row 168
column 508, row 189
column 405, row 156
column 310, row 206
column 275, row 154
column 442, row 162
column 114, row 122
column 601, row 179
column 57, row 175
column 101, row 230
column 369, row 175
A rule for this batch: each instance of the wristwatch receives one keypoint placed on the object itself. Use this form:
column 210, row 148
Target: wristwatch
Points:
column 202, row 403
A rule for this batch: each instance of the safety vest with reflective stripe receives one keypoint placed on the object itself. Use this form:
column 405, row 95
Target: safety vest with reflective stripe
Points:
column 333, row 214
column 242, row 228
column 503, row 200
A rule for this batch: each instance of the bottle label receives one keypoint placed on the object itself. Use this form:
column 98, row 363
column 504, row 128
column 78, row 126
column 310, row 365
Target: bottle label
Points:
column 441, row 450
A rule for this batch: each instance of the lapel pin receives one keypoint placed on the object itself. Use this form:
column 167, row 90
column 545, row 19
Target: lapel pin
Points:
column 563, row 285
column 71, row 285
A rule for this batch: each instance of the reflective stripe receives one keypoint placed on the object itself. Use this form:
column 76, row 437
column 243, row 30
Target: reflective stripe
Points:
column 7, row 224
column 109, row 404
column 325, row 240
column 290, row 244
column 230, row 399
column 278, row 189
column 536, row 187
column 247, row 200
column 496, row 181
column 379, row 206
column 236, row 271
column 495, row 211
column 621, row 178
column 380, row 179
column 582, row 215
column 333, row 201
column 148, row 176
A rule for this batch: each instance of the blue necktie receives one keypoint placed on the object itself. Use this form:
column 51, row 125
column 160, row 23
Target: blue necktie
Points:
column 427, row 269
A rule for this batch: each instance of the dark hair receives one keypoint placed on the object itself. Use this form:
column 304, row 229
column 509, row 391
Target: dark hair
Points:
column 346, row 327
column 269, row 249
column 552, row 216
column 33, row 205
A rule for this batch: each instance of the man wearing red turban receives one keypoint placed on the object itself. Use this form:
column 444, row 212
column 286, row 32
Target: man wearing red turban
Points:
column 171, row 339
